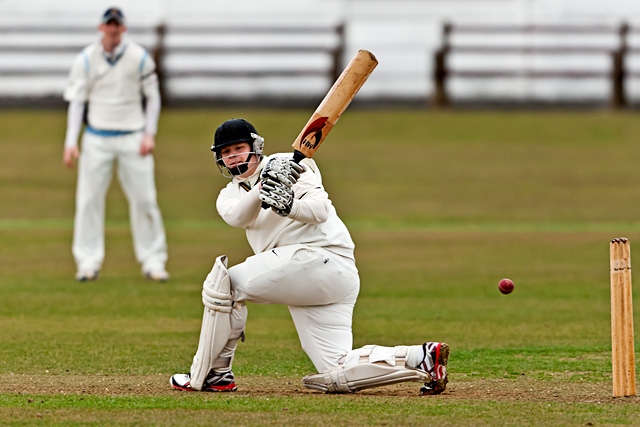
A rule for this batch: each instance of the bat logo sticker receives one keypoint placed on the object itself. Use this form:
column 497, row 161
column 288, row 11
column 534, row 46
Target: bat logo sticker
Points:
column 314, row 132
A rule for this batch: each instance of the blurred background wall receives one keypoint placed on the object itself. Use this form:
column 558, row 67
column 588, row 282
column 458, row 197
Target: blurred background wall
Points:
column 226, row 42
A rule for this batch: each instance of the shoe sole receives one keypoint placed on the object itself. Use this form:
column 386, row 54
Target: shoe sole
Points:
column 156, row 279
column 87, row 278
column 439, row 385
column 212, row 389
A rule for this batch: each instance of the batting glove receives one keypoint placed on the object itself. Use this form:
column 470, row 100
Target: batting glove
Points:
column 282, row 169
column 277, row 195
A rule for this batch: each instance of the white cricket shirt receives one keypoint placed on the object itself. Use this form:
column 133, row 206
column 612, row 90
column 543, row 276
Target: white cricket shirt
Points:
column 313, row 219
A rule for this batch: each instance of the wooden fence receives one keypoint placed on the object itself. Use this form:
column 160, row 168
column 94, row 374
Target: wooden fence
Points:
column 617, row 51
column 250, row 52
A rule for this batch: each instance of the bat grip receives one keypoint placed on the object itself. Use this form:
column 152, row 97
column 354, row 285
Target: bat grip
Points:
column 297, row 157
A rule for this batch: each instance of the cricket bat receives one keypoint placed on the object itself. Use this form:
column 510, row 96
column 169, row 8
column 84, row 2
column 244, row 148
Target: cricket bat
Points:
column 333, row 105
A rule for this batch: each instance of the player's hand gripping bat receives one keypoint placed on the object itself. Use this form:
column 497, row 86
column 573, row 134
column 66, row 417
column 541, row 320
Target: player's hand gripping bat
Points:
column 333, row 105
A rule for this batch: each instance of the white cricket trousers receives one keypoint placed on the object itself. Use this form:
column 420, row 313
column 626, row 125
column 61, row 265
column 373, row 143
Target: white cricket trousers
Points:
column 136, row 176
column 320, row 289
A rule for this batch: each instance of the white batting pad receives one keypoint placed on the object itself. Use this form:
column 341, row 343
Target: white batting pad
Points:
column 216, row 321
column 369, row 371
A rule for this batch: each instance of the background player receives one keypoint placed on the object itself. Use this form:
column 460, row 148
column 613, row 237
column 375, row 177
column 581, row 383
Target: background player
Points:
column 107, row 82
column 304, row 258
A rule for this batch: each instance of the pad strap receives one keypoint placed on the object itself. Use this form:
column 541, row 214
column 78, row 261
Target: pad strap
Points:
column 217, row 301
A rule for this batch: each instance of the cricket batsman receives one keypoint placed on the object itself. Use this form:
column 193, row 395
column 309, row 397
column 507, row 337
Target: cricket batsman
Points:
column 304, row 259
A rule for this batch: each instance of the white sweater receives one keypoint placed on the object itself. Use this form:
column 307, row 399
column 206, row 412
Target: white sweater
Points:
column 113, row 90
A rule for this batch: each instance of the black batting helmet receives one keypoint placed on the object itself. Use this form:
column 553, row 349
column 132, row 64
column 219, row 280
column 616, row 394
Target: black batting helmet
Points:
column 234, row 131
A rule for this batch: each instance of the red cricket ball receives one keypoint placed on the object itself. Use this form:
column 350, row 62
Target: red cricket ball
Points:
column 506, row 286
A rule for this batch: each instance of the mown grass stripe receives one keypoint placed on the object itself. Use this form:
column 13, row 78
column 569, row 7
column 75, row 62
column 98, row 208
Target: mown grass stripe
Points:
column 361, row 225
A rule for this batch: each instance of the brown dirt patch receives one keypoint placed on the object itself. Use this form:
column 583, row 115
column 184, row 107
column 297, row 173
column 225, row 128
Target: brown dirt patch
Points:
column 507, row 390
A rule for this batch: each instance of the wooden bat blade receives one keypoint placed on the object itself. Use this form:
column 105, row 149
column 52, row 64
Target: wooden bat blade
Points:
column 334, row 103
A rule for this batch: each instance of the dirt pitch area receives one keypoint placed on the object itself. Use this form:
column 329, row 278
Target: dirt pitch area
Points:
column 505, row 390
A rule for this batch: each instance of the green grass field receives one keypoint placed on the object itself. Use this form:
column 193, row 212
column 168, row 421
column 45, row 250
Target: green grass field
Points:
column 441, row 205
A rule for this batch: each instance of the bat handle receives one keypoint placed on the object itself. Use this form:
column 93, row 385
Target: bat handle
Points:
column 298, row 156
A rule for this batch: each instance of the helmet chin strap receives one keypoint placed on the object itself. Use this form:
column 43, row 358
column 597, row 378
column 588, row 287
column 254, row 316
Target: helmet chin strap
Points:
column 240, row 169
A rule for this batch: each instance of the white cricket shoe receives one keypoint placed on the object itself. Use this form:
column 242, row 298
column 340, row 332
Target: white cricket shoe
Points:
column 214, row 383
column 160, row 275
column 435, row 363
column 85, row 275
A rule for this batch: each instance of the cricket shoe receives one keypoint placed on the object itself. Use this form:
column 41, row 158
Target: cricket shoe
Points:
column 160, row 275
column 215, row 382
column 84, row 275
column 435, row 363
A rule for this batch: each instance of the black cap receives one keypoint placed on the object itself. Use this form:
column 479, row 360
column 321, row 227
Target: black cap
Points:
column 113, row 14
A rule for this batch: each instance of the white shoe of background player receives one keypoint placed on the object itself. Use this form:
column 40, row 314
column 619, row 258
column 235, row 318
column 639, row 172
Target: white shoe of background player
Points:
column 85, row 275
column 160, row 275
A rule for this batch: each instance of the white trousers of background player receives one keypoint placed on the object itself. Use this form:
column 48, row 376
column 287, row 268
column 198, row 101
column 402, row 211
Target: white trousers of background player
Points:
column 136, row 176
column 319, row 288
